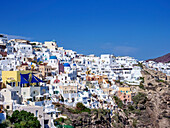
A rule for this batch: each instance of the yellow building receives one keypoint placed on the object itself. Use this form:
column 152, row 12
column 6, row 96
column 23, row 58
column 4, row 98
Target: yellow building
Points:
column 12, row 77
column 126, row 90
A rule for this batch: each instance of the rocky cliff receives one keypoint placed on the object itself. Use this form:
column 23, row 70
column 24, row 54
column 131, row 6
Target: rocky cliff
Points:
column 158, row 100
column 151, row 108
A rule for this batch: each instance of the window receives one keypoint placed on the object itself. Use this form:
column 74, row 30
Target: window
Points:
column 13, row 94
column 24, row 93
column 56, row 92
column 7, row 107
column 36, row 113
column 13, row 84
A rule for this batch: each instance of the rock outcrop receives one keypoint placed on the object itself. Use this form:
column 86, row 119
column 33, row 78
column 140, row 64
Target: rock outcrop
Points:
column 153, row 111
column 97, row 118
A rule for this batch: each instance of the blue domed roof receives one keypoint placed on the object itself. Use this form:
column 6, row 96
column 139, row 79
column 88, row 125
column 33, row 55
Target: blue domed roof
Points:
column 66, row 65
column 53, row 57
column 74, row 64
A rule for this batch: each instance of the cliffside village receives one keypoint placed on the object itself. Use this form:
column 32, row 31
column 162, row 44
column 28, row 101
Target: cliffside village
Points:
column 34, row 76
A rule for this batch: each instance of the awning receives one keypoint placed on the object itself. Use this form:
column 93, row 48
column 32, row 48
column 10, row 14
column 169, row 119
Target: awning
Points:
column 23, row 80
column 26, row 76
column 35, row 79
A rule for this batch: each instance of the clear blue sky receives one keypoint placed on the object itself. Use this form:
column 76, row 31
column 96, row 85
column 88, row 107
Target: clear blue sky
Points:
column 139, row 28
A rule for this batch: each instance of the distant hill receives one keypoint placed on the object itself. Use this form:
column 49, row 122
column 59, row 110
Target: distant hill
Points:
column 164, row 59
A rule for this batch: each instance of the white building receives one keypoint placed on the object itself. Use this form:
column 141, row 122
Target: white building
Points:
column 3, row 39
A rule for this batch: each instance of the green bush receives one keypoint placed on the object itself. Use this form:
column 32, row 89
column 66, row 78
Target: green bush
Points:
column 6, row 123
column 80, row 106
column 79, row 109
column 142, row 86
column 118, row 102
column 24, row 119
column 61, row 119
column 139, row 97
column 130, row 107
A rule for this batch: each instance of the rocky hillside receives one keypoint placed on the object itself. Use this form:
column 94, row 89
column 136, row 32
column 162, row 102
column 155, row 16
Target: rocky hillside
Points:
column 96, row 118
column 164, row 59
column 151, row 108
column 158, row 99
